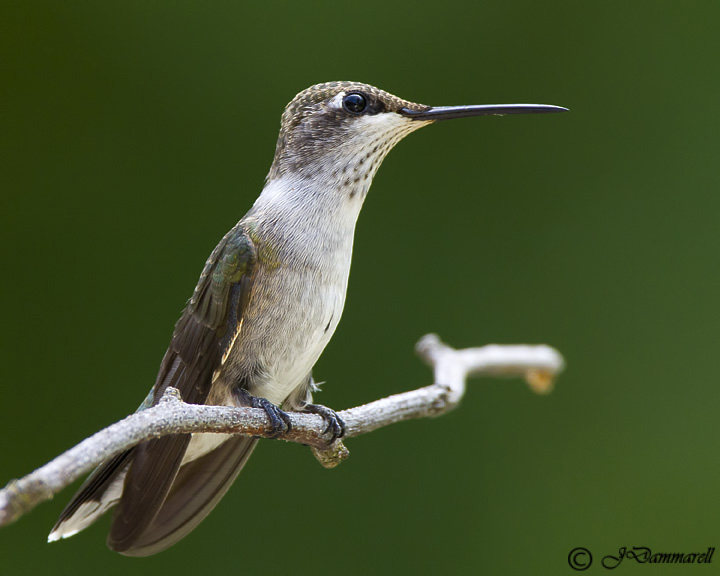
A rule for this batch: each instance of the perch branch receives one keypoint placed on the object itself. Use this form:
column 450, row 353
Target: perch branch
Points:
column 537, row 364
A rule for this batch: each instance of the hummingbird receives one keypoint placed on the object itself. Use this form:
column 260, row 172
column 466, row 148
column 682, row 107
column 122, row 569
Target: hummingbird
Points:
column 268, row 300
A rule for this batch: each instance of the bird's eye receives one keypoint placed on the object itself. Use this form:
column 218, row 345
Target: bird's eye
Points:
column 355, row 103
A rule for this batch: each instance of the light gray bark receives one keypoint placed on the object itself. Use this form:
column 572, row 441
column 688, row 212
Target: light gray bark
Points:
column 537, row 364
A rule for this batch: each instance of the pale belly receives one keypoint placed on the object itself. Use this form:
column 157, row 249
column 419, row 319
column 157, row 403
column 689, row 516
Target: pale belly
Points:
column 291, row 317
column 287, row 327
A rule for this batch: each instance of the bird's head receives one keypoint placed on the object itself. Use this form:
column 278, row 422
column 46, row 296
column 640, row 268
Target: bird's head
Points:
column 341, row 131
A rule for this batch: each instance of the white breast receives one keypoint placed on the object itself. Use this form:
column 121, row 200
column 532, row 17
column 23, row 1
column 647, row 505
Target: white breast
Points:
column 299, row 291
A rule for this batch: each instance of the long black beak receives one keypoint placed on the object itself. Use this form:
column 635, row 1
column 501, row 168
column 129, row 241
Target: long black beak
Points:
column 447, row 112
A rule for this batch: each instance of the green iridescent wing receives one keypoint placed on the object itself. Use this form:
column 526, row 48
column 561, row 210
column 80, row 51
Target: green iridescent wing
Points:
column 202, row 340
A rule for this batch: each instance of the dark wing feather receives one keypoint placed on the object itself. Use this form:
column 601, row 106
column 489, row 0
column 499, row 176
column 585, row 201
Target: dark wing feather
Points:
column 201, row 340
column 198, row 487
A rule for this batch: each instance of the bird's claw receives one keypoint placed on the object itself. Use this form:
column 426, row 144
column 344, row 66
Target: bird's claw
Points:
column 335, row 425
column 280, row 422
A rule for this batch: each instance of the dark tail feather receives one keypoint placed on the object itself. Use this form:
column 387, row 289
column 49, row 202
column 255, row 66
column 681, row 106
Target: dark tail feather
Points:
column 148, row 482
column 92, row 494
column 198, row 487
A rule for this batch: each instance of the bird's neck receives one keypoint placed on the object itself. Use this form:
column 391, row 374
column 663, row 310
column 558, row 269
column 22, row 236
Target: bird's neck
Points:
column 323, row 200
column 315, row 215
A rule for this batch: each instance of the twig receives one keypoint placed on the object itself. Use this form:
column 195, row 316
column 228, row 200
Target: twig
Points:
column 538, row 364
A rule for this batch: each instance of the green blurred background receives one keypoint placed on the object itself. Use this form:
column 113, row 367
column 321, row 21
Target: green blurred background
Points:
column 135, row 134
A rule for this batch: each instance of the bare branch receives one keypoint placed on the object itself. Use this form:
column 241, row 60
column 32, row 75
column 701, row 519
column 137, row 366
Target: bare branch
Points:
column 537, row 364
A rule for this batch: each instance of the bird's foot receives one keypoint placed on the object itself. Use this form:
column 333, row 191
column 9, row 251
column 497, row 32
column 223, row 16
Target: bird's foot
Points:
column 280, row 422
column 335, row 424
